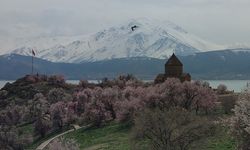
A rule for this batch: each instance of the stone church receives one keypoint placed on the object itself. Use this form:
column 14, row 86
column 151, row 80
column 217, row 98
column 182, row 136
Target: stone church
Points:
column 173, row 69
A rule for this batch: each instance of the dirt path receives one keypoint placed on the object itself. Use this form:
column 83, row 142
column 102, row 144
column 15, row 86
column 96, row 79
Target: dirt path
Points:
column 44, row 144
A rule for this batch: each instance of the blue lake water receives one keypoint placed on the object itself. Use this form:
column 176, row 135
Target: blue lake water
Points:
column 3, row 82
column 232, row 85
column 236, row 85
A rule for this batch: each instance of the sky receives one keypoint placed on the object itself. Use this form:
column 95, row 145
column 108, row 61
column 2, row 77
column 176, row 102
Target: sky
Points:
column 224, row 22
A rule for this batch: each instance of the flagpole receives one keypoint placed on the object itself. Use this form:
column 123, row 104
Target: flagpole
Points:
column 33, row 54
column 32, row 63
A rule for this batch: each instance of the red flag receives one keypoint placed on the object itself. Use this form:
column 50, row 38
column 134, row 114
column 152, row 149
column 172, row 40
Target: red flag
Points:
column 33, row 53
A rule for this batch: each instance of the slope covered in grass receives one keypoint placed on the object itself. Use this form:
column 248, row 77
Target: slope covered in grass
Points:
column 116, row 136
column 110, row 137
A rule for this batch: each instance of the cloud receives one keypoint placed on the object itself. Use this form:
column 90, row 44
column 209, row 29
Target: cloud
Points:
column 220, row 21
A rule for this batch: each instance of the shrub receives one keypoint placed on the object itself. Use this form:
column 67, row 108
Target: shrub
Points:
column 221, row 89
column 228, row 103
column 3, row 94
column 83, row 84
column 127, row 77
column 58, row 94
column 35, row 78
column 56, row 80
column 202, row 83
column 31, row 78
column 9, row 138
column 12, row 115
column 38, row 106
column 206, row 84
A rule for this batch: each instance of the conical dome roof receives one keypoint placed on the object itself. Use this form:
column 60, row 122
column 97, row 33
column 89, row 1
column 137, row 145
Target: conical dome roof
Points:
column 173, row 61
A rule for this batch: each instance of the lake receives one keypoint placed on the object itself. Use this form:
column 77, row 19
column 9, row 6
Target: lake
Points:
column 3, row 82
column 236, row 85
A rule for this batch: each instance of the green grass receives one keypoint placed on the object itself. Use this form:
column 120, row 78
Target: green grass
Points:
column 111, row 137
column 221, row 141
column 26, row 129
column 117, row 137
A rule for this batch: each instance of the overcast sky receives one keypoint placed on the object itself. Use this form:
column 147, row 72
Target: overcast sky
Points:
column 218, row 21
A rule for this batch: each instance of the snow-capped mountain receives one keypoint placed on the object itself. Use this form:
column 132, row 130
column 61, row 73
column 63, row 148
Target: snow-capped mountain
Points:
column 38, row 43
column 136, row 38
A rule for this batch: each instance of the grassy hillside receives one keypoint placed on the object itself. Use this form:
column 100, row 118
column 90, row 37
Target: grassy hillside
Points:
column 117, row 137
column 110, row 137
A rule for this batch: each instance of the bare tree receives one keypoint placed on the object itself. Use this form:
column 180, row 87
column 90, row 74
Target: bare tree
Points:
column 172, row 129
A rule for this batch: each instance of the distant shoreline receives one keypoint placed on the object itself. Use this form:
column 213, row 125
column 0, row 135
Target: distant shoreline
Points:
column 234, row 85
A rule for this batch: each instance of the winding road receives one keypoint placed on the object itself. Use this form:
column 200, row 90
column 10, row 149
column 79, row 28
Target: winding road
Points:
column 44, row 144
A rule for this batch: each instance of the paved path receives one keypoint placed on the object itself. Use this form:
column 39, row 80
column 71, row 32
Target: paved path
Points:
column 44, row 144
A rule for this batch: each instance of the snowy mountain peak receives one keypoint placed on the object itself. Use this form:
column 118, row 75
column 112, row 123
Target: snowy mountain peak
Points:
column 135, row 38
column 23, row 51
column 154, row 24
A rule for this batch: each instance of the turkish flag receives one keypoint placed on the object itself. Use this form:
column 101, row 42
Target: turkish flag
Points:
column 33, row 53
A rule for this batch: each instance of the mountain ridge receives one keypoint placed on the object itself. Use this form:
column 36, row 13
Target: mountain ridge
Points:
column 151, row 38
column 226, row 64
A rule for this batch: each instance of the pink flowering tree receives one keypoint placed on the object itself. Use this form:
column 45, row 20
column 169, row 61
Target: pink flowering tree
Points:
column 97, row 105
column 38, row 106
column 95, row 111
column 58, row 115
column 164, row 95
column 71, row 113
column 198, row 97
column 58, row 94
column 206, row 99
column 129, row 103
column 191, row 93
column 110, row 97
column 122, row 103
column 187, row 95
column 82, row 98
column 171, row 92
column 240, row 122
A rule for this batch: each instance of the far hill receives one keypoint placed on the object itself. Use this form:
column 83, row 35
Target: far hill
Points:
column 226, row 64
